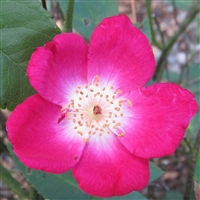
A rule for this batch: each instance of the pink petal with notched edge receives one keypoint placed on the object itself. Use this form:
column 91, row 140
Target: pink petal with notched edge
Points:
column 54, row 69
column 119, row 51
column 161, row 114
column 39, row 141
column 106, row 168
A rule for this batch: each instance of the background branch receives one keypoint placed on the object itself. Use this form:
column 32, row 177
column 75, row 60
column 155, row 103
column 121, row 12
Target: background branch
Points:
column 153, row 35
column 69, row 16
column 161, row 62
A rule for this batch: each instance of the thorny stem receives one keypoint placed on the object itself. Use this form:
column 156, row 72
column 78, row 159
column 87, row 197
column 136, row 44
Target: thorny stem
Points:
column 69, row 16
column 153, row 35
column 13, row 184
column 192, row 162
column 161, row 62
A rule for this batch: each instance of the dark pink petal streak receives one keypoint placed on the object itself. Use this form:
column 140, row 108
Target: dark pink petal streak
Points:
column 106, row 168
column 39, row 141
column 161, row 114
column 60, row 65
column 121, row 52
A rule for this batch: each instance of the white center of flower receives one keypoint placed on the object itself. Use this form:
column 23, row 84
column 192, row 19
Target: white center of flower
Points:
column 95, row 110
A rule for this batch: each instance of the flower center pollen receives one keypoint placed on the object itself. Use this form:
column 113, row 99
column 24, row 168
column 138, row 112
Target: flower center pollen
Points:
column 96, row 110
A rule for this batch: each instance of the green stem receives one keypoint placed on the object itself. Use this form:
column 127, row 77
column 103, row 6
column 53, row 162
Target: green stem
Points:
column 13, row 184
column 191, row 168
column 165, row 52
column 153, row 35
column 69, row 16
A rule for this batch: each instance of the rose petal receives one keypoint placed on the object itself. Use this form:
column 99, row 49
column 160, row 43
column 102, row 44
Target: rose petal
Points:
column 56, row 67
column 121, row 52
column 106, row 168
column 39, row 141
column 160, row 116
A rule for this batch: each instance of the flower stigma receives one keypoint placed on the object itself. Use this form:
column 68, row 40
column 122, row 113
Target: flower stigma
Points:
column 96, row 110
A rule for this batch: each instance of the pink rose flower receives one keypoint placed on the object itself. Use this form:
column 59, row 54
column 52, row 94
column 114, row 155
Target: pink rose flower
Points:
column 93, row 113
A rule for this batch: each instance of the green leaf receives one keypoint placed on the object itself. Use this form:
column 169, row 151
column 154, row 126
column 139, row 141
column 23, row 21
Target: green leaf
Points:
column 88, row 14
column 24, row 26
column 51, row 186
column 155, row 172
column 173, row 195
column 182, row 4
column 170, row 76
column 146, row 29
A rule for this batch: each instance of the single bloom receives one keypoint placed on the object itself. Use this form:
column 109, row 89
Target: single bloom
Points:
column 93, row 113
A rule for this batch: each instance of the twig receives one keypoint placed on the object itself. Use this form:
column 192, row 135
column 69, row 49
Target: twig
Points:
column 164, row 184
column 69, row 16
column 192, row 162
column 175, row 12
column 133, row 11
column 159, row 29
column 160, row 64
column 153, row 35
